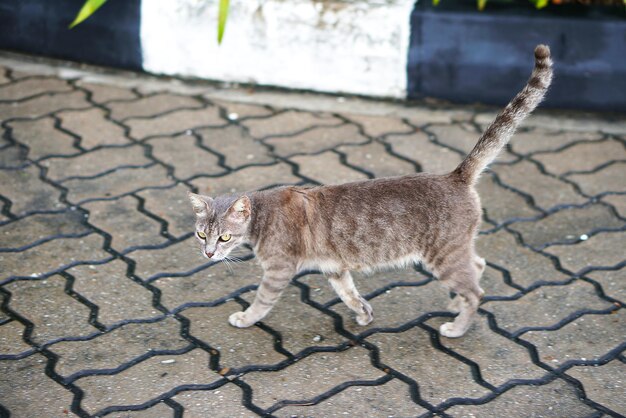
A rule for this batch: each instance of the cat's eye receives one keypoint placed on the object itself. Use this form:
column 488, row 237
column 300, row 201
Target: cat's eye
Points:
column 225, row 237
column 201, row 235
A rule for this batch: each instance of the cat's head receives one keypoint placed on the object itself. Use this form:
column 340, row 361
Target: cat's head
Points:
column 221, row 223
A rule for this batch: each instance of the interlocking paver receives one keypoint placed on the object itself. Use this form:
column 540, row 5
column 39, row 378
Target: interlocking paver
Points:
column 118, row 347
column 25, row 388
column 151, row 105
column 326, row 369
column 118, row 298
column 553, row 400
column 41, row 138
column 316, row 139
column 236, row 145
column 410, row 352
column 604, row 384
column 93, row 128
column 53, row 313
column 91, row 170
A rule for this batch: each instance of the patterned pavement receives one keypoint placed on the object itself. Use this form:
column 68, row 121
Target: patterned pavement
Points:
column 108, row 309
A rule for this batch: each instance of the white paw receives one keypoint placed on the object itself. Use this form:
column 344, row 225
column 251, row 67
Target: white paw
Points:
column 448, row 330
column 368, row 314
column 239, row 320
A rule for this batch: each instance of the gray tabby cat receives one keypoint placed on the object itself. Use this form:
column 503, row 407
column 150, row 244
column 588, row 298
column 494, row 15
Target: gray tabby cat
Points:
column 369, row 225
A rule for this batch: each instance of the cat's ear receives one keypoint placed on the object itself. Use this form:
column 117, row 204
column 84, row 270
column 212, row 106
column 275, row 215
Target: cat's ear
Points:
column 240, row 209
column 200, row 204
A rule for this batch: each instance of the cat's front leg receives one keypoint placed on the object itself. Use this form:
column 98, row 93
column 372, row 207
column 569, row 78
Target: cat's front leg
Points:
column 275, row 280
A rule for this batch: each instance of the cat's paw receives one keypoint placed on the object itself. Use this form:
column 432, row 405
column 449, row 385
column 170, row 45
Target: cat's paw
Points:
column 239, row 320
column 368, row 314
column 448, row 330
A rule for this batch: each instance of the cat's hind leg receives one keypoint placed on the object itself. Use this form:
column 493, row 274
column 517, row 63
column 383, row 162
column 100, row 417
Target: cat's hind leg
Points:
column 463, row 280
column 455, row 303
column 347, row 292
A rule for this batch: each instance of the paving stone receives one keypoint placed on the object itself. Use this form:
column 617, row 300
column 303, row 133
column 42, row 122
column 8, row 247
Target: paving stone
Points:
column 26, row 391
column 41, row 138
column 546, row 191
column 117, row 183
column 501, row 204
column 238, row 347
column 187, row 159
column 247, row 179
column 127, row 226
column 494, row 284
column 209, row 284
column 103, row 93
column 326, row 168
column 11, row 342
column 3, row 316
column 175, row 122
column 603, row 249
column 582, row 157
column 12, row 157
column 618, row 201
column 587, row 338
column 289, row 122
column 224, row 402
column 608, row 179
column 119, row 347
column 95, row 163
column 541, row 140
column 53, row 313
column 40, row 195
column 145, row 381
column 526, row 266
column 316, row 139
column 43, row 105
column 420, row 115
column 36, row 227
column 463, row 137
column 546, row 306
column 236, row 145
column 172, row 205
column 151, row 105
column 300, row 325
column 500, row 359
column 160, row 410
column 118, row 298
column 177, row 258
column 52, row 255
column 93, row 128
column 566, row 226
column 327, row 370
column 605, row 384
column 431, row 157
column 398, row 306
column 556, row 399
column 243, row 110
column 377, row 126
column 613, row 282
column 374, row 158
column 34, row 86
column 4, row 78
column 392, row 399
column 411, row 353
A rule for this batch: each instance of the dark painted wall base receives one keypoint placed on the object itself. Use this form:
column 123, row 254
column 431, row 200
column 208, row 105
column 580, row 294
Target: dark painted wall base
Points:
column 463, row 55
column 40, row 27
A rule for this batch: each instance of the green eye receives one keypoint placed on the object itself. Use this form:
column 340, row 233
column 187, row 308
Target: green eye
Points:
column 201, row 234
column 225, row 237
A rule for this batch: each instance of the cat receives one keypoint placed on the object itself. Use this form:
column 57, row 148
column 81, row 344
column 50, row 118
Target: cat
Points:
column 369, row 225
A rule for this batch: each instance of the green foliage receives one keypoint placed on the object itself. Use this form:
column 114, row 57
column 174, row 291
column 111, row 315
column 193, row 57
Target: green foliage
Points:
column 221, row 19
column 87, row 10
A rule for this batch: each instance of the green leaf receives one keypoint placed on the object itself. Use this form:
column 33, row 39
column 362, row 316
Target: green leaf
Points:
column 540, row 4
column 221, row 20
column 87, row 10
column 482, row 4
column 436, row 2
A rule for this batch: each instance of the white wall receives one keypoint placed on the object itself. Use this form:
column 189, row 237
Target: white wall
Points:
column 355, row 46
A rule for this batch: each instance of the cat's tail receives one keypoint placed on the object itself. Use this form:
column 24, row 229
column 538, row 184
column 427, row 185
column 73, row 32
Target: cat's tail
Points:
column 503, row 127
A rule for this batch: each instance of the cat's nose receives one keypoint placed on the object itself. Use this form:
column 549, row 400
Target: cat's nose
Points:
column 209, row 254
